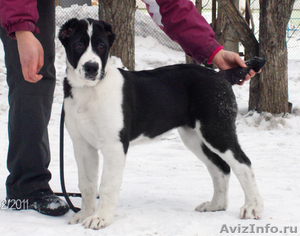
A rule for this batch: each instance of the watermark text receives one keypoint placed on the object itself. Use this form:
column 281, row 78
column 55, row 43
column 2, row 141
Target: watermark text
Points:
column 16, row 204
column 254, row 229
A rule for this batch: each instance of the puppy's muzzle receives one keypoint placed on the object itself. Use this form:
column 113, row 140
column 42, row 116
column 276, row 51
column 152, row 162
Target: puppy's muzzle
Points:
column 91, row 70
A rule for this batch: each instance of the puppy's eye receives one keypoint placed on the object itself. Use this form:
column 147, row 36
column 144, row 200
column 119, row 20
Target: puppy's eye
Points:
column 79, row 46
column 101, row 46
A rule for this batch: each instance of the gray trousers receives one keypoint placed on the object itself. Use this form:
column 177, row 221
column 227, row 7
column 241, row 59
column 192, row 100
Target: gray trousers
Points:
column 30, row 109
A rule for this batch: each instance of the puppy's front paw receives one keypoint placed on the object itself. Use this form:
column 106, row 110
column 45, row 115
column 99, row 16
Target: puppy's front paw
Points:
column 251, row 211
column 79, row 217
column 209, row 206
column 95, row 222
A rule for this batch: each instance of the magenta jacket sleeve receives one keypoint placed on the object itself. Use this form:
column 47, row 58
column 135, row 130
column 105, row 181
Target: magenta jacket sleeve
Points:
column 18, row 15
column 180, row 20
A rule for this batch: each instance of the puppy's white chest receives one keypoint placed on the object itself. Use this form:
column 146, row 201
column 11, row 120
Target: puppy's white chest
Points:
column 95, row 114
column 84, row 123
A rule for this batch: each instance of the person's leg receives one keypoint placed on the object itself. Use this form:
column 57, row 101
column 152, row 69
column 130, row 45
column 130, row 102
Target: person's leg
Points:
column 30, row 109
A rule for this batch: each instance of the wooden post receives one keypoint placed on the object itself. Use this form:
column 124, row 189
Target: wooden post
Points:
column 120, row 14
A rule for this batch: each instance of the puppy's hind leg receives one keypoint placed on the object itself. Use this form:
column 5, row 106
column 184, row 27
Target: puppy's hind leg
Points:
column 241, row 166
column 220, row 173
column 224, row 143
column 218, row 169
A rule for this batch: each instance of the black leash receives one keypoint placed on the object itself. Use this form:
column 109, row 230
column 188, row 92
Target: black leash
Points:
column 61, row 162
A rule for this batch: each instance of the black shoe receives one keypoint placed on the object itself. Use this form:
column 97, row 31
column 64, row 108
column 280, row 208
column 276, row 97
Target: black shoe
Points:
column 43, row 201
column 46, row 202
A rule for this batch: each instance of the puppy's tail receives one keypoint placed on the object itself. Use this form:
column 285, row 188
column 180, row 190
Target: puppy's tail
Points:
column 237, row 74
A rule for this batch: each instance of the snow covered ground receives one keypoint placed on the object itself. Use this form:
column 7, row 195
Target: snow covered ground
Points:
column 164, row 182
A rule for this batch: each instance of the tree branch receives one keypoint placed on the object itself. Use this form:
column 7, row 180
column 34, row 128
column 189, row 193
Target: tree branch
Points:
column 241, row 27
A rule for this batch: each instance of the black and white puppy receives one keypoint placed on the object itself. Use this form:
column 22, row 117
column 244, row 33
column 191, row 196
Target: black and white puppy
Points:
column 108, row 109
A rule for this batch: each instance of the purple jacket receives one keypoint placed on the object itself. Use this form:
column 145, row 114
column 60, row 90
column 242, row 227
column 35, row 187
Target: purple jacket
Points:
column 179, row 19
column 18, row 15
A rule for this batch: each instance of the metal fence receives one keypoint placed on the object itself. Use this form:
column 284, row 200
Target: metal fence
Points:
column 293, row 33
column 67, row 9
column 144, row 25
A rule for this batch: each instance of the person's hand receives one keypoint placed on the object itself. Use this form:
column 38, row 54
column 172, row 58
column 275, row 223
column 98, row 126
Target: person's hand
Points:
column 225, row 60
column 31, row 55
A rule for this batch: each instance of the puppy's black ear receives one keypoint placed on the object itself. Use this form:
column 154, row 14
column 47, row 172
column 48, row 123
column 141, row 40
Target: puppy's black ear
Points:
column 67, row 29
column 110, row 34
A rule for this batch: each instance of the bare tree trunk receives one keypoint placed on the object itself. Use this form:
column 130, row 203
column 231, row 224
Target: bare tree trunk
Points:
column 268, row 92
column 120, row 14
column 274, row 18
column 220, row 26
column 240, row 26
column 248, row 40
column 232, row 40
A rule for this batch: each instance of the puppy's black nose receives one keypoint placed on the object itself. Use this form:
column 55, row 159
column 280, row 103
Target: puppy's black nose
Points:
column 91, row 68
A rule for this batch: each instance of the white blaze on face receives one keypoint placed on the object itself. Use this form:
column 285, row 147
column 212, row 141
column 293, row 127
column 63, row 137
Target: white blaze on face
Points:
column 89, row 56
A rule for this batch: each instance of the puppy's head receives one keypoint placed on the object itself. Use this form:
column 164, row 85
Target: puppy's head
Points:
column 87, row 43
